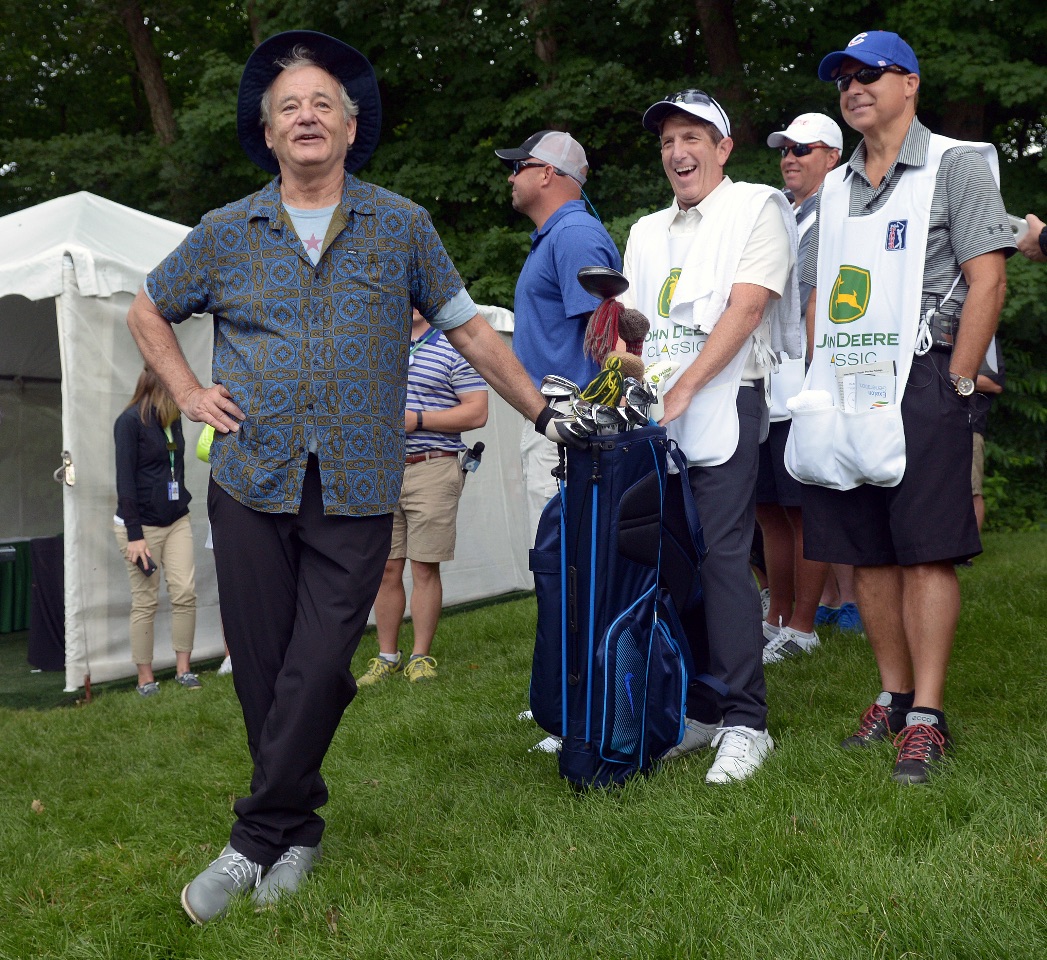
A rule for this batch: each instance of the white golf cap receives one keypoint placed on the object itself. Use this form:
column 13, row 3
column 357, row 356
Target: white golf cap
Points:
column 695, row 102
column 810, row 128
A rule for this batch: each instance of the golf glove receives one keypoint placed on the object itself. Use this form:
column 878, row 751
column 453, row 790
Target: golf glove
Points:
column 562, row 429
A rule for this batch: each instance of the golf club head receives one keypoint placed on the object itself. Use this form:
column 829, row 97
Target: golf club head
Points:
column 635, row 416
column 553, row 385
column 583, row 412
column 602, row 282
column 579, row 430
column 638, row 394
column 608, row 419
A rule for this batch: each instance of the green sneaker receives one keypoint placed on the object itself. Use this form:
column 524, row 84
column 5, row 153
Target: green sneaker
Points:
column 379, row 670
column 420, row 668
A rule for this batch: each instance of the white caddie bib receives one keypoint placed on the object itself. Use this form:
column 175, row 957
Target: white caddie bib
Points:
column 870, row 282
column 707, row 431
column 787, row 377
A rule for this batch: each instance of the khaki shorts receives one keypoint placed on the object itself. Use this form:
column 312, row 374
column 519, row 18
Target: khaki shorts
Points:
column 425, row 519
column 978, row 465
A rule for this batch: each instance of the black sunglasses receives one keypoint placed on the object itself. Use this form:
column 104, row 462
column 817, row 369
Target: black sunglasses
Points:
column 698, row 96
column 801, row 150
column 865, row 76
column 518, row 165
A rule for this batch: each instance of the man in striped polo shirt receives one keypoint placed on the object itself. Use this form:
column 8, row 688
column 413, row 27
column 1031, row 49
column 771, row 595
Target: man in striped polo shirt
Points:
column 444, row 397
column 908, row 264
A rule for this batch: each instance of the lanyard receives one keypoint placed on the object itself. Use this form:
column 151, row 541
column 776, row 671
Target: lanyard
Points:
column 170, row 448
column 423, row 339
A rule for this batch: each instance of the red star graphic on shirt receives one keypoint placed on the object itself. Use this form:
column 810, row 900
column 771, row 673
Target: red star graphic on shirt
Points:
column 313, row 243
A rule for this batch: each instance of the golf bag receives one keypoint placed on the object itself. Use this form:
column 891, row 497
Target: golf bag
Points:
column 611, row 662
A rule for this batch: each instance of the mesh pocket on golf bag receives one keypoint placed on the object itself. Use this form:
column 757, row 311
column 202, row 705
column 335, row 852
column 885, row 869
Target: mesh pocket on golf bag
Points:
column 642, row 681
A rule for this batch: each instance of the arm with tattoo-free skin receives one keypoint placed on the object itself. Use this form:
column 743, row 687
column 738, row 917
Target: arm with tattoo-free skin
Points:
column 986, row 278
column 736, row 324
column 469, row 414
column 488, row 355
column 160, row 348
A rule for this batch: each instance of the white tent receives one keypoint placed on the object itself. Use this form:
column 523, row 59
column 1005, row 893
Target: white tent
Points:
column 68, row 271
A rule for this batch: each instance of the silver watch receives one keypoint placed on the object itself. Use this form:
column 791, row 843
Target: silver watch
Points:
column 964, row 386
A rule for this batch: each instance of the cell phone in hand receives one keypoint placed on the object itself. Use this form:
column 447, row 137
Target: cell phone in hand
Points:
column 146, row 565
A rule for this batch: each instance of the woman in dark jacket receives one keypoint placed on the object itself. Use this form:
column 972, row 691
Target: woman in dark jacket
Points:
column 152, row 525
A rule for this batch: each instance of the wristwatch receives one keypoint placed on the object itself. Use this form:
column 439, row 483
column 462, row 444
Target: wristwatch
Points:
column 964, row 386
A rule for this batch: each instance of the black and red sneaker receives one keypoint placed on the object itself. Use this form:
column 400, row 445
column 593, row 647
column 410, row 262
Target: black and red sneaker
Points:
column 880, row 722
column 921, row 748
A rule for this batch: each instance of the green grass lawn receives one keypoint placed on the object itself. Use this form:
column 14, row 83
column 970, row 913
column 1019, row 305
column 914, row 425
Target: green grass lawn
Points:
column 447, row 839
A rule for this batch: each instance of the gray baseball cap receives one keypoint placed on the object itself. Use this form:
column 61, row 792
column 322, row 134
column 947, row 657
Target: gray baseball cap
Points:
column 551, row 146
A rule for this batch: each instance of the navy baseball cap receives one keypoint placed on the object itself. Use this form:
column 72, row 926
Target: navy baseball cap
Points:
column 875, row 48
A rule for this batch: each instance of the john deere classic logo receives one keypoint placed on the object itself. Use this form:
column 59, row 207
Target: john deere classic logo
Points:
column 665, row 295
column 850, row 295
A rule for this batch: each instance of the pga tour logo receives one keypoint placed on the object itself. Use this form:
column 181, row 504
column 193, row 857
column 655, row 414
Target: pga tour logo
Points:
column 896, row 235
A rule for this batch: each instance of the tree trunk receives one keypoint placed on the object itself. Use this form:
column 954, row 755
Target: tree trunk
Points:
column 720, row 37
column 254, row 22
column 150, row 71
column 544, row 40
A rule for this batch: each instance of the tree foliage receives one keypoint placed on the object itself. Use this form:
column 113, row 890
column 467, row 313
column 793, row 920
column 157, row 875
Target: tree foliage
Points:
column 460, row 79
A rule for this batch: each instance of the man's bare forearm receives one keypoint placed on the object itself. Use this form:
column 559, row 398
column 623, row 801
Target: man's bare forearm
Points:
column 494, row 361
column 160, row 347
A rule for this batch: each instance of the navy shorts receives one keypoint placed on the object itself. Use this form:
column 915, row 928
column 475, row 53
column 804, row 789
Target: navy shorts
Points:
column 773, row 482
column 929, row 516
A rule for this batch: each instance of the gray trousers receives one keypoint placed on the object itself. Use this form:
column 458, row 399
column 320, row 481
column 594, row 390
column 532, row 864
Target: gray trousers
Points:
column 728, row 641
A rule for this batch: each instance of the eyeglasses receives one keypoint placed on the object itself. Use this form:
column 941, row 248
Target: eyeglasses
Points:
column 699, row 96
column 519, row 165
column 801, row 149
column 865, row 76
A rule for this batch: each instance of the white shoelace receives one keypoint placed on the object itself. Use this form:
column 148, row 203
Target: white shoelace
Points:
column 290, row 855
column 240, row 868
column 733, row 742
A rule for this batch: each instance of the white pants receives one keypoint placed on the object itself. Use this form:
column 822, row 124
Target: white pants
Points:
column 538, row 457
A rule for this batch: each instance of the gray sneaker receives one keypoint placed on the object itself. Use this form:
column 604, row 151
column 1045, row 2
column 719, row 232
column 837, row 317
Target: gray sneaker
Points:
column 150, row 689
column 209, row 894
column 286, row 875
column 696, row 736
column 188, row 680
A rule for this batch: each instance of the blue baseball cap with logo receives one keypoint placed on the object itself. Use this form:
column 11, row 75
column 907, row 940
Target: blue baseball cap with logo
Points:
column 875, row 48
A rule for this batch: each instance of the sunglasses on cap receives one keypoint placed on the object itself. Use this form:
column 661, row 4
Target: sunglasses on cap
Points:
column 698, row 96
column 865, row 76
column 802, row 149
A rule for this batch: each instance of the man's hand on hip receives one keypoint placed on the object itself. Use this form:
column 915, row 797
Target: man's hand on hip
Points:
column 213, row 405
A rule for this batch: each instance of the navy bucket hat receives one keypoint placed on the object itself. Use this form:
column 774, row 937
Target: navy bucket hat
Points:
column 350, row 66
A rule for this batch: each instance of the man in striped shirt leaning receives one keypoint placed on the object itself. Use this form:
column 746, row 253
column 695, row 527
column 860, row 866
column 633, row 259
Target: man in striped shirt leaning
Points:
column 444, row 397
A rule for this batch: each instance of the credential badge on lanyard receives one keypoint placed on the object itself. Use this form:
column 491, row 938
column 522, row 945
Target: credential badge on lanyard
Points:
column 172, row 484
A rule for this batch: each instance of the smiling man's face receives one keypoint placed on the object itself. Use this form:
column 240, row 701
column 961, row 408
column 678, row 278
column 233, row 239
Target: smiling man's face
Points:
column 691, row 160
column 309, row 132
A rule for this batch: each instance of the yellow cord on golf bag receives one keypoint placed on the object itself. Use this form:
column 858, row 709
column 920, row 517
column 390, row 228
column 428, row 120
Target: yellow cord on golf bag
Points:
column 606, row 387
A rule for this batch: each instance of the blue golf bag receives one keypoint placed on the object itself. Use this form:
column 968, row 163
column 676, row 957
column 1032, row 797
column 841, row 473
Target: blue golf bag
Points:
column 611, row 663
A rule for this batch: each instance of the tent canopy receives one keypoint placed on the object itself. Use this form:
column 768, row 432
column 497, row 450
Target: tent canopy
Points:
column 109, row 247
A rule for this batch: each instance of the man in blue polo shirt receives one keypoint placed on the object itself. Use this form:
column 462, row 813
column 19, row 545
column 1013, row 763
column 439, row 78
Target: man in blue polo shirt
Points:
column 552, row 309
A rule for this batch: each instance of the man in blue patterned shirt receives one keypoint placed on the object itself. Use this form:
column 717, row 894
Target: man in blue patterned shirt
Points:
column 311, row 282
